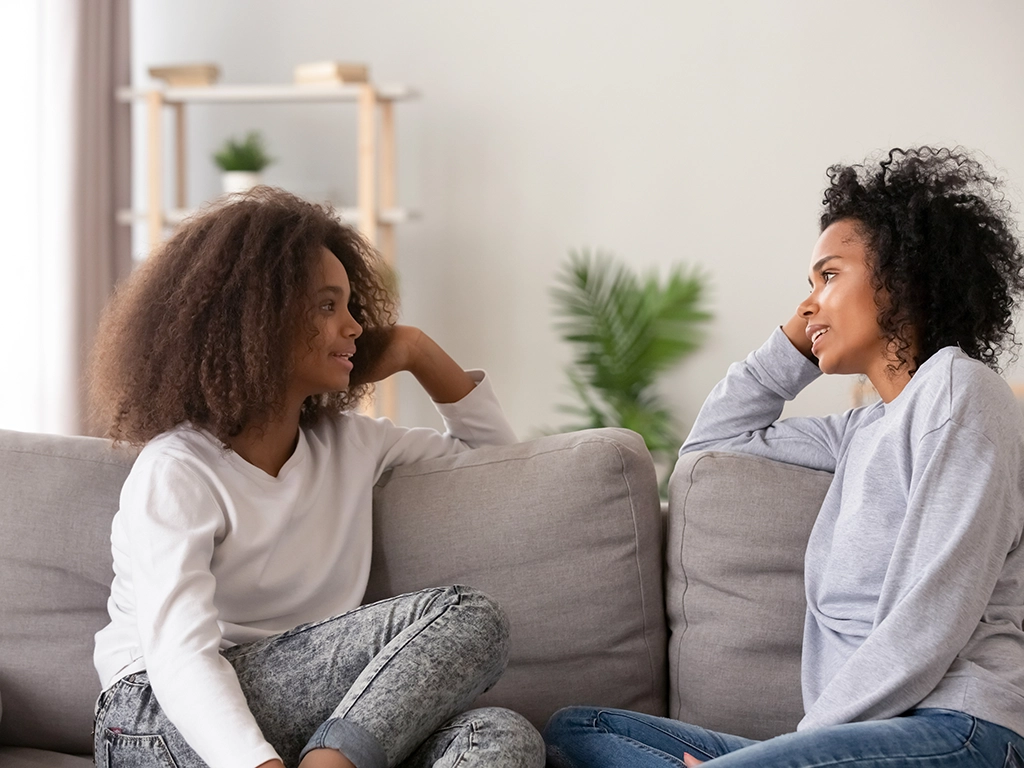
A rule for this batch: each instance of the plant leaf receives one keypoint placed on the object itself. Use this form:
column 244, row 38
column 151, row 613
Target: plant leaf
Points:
column 624, row 331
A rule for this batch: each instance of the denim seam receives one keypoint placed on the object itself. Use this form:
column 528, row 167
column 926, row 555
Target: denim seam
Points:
column 104, row 704
column 320, row 739
column 130, row 681
column 154, row 740
column 397, row 651
column 902, row 759
column 668, row 759
column 472, row 744
column 299, row 631
column 653, row 726
column 974, row 731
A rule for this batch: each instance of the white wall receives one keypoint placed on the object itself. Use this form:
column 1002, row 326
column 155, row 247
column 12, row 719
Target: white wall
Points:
column 666, row 131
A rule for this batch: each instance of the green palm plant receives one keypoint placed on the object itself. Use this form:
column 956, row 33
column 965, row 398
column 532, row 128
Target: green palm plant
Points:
column 625, row 330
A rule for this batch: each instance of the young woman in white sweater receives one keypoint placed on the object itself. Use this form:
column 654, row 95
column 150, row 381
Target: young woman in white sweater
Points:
column 913, row 652
column 242, row 542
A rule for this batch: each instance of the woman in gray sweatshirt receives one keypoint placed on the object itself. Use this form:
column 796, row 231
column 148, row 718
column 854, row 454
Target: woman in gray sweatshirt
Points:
column 913, row 650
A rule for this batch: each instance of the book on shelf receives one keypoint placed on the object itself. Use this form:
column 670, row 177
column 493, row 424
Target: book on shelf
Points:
column 186, row 75
column 330, row 72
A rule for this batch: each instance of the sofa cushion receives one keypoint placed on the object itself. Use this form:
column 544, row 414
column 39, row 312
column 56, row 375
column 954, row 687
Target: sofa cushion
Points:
column 57, row 498
column 565, row 532
column 20, row 757
column 735, row 538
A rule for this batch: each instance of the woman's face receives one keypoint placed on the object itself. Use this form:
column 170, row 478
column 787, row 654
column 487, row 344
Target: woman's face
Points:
column 841, row 310
column 323, row 363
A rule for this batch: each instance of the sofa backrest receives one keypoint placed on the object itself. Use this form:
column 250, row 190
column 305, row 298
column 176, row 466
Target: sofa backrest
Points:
column 57, row 498
column 564, row 531
column 735, row 539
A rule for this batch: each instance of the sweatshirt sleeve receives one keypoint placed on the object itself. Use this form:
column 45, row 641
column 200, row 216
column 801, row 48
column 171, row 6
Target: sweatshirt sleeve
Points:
column 964, row 515
column 172, row 524
column 742, row 412
column 474, row 421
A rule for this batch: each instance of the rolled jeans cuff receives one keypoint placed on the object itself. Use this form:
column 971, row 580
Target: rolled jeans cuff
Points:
column 352, row 740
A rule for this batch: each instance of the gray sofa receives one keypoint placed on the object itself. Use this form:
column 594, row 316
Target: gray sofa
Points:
column 696, row 614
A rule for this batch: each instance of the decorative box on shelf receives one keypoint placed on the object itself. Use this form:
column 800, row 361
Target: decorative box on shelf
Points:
column 330, row 73
column 186, row 75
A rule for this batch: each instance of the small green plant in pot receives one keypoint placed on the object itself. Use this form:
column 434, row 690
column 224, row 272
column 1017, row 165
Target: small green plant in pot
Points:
column 242, row 161
column 626, row 330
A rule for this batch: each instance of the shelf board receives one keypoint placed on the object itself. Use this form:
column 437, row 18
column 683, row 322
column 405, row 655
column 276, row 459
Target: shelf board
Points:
column 171, row 217
column 384, row 215
column 175, row 216
column 227, row 94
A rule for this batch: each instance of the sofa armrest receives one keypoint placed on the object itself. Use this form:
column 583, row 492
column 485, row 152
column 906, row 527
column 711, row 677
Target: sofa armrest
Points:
column 736, row 532
column 565, row 533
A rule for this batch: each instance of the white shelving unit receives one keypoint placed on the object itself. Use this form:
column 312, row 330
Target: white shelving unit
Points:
column 376, row 212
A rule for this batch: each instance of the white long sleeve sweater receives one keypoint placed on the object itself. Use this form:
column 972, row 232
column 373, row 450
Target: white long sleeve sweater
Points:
column 210, row 551
column 914, row 570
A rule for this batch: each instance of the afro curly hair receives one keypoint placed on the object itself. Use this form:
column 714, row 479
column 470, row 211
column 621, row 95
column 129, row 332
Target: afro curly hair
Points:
column 203, row 332
column 943, row 247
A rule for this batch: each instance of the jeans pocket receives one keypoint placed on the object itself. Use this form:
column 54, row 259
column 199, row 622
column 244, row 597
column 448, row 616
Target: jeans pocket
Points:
column 124, row 750
column 1013, row 758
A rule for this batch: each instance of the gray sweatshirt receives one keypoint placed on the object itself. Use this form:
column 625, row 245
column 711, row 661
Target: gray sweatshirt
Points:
column 914, row 571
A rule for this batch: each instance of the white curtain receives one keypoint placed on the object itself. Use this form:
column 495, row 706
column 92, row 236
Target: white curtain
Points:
column 83, row 163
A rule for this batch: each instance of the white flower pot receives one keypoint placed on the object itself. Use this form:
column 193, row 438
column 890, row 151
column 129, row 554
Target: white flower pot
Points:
column 235, row 182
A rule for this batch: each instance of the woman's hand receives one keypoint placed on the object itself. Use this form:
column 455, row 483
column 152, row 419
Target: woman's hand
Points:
column 405, row 348
column 690, row 761
column 392, row 348
column 796, row 331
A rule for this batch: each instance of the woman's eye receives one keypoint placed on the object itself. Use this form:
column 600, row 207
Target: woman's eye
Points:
column 327, row 306
column 827, row 276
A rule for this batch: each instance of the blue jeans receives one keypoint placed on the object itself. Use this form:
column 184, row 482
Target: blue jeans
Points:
column 385, row 684
column 591, row 737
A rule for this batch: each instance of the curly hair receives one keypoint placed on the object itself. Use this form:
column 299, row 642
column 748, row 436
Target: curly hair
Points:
column 943, row 248
column 204, row 331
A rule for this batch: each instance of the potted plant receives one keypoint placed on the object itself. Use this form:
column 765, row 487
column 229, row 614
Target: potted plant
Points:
column 626, row 330
column 241, row 162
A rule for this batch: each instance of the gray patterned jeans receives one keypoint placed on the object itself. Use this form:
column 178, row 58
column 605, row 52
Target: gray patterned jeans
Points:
column 386, row 684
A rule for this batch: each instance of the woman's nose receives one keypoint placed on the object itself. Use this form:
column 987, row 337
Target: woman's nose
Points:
column 352, row 328
column 806, row 307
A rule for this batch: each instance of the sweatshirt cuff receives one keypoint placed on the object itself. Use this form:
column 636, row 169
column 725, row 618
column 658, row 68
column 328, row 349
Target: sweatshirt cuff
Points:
column 477, row 418
column 785, row 364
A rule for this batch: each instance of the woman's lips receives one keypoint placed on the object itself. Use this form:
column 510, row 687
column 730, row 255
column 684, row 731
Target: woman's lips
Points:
column 815, row 334
column 343, row 358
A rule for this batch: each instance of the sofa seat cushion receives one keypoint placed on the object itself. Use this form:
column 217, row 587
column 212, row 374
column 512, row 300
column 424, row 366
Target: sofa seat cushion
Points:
column 735, row 539
column 565, row 533
column 22, row 757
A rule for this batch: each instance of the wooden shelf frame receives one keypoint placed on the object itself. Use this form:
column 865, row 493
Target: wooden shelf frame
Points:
column 375, row 214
